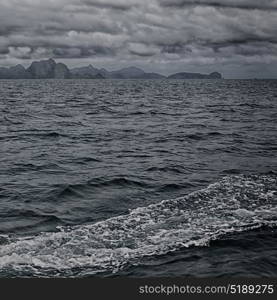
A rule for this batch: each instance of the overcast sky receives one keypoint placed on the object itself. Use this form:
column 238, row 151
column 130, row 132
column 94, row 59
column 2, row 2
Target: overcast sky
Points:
column 235, row 37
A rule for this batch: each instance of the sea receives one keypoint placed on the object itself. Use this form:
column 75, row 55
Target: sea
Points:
column 138, row 178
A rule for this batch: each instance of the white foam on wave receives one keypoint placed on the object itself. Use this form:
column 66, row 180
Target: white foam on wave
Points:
column 234, row 204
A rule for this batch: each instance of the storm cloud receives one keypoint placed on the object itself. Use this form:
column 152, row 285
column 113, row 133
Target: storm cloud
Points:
column 236, row 4
column 235, row 37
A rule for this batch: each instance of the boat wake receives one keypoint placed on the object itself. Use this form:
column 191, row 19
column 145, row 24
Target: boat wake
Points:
column 234, row 204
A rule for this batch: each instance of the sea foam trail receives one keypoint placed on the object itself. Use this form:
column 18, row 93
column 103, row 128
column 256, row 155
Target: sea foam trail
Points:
column 234, row 204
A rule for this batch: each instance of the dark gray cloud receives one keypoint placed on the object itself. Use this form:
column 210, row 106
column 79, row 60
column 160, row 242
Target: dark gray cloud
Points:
column 231, row 36
column 235, row 4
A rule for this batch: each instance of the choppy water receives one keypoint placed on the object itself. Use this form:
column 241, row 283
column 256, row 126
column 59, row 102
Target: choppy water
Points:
column 138, row 178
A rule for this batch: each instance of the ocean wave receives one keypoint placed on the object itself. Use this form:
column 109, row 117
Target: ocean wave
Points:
column 234, row 204
column 200, row 136
column 81, row 190
column 172, row 169
column 103, row 182
column 51, row 134
column 174, row 186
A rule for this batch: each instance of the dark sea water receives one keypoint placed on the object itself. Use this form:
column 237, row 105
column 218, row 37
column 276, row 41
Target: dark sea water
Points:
column 138, row 178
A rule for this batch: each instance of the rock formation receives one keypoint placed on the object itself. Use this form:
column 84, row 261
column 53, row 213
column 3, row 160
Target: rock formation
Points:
column 49, row 69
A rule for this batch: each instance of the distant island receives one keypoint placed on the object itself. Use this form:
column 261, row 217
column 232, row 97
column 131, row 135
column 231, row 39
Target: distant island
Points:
column 49, row 69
